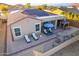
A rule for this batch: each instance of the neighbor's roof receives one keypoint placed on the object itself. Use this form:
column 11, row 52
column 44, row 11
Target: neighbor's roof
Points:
column 36, row 12
column 73, row 10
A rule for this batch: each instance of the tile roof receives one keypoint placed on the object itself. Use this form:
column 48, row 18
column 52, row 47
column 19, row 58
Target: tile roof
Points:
column 73, row 10
column 15, row 17
column 12, row 18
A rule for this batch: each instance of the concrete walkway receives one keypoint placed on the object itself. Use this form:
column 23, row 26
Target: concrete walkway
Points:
column 71, row 50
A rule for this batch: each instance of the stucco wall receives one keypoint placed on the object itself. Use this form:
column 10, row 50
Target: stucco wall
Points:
column 27, row 26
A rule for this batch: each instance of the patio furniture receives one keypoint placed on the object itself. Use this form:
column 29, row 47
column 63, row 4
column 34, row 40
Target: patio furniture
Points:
column 34, row 36
column 48, row 25
column 27, row 38
column 45, row 31
column 48, row 28
column 64, row 23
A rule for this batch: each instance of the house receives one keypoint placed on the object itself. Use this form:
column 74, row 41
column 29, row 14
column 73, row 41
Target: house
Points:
column 73, row 10
column 60, row 12
column 56, row 11
column 69, row 12
column 75, row 5
column 15, row 19
column 26, row 22
column 73, row 13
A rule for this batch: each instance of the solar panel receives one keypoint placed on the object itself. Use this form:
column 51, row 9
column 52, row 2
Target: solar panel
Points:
column 36, row 12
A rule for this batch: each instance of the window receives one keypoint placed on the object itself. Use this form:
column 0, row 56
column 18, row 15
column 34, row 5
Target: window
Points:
column 37, row 27
column 17, row 31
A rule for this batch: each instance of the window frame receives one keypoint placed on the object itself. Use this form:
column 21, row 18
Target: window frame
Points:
column 14, row 34
column 38, row 27
column 17, row 31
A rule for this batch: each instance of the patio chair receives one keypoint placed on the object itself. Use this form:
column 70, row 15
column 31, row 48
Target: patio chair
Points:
column 50, row 30
column 34, row 35
column 27, row 38
column 45, row 31
column 64, row 23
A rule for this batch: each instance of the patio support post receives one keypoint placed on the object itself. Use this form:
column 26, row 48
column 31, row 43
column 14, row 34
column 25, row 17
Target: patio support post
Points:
column 55, row 24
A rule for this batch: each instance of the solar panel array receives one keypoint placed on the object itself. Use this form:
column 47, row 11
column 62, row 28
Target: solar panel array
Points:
column 36, row 12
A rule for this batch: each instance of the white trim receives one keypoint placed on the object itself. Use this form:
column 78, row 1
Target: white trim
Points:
column 39, row 27
column 12, row 12
column 58, row 16
column 56, row 22
column 13, row 32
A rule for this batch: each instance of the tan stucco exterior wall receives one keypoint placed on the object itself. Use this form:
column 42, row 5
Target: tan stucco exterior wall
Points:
column 27, row 26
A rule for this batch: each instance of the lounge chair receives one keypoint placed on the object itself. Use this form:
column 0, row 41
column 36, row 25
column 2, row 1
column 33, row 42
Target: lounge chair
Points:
column 27, row 38
column 34, row 36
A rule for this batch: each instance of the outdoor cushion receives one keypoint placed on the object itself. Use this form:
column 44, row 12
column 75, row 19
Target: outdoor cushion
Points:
column 34, row 36
column 27, row 38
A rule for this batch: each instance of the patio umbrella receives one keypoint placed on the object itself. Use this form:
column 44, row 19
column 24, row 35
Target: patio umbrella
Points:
column 48, row 25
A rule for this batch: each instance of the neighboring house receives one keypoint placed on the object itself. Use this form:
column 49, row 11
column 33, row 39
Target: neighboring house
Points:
column 56, row 11
column 26, row 22
column 71, row 13
column 75, row 5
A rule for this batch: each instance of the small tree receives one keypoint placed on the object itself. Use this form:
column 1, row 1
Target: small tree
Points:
column 45, row 6
column 70, row 14
column 73, row 16
column 77, row 16
column 63, row 13
column 40, row 8
column 4, row 9
column 27, row 5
